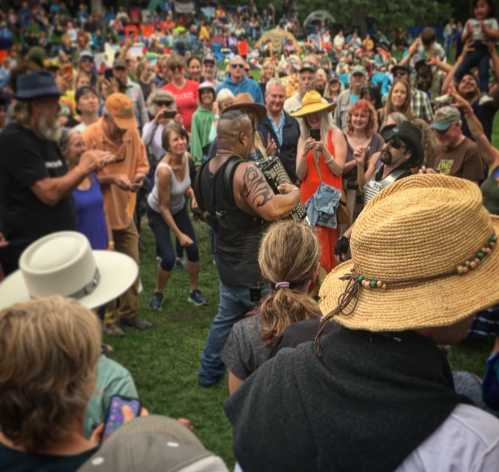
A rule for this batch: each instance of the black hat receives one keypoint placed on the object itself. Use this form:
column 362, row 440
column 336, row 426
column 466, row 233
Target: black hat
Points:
column 400, row 67
column 412, row 137
column 36, row 84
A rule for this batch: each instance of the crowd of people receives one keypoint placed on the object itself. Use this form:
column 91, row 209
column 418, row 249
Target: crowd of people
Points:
column 350, row 190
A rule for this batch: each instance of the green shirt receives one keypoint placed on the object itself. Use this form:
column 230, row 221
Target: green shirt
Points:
column 112, row 379
column 200, row 132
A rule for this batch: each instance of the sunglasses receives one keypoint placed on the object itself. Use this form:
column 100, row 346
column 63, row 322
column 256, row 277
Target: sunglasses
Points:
column 174, row 68
column 441, row 132
column 237, row 66
column 396, row 144
column 164, row 103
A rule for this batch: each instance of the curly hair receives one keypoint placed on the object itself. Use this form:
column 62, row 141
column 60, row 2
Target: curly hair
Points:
column 50, row 348
column 363, row 105
column 289, row 252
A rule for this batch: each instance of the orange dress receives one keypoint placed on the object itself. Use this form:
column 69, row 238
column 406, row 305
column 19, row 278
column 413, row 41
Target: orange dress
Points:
column 327, row 236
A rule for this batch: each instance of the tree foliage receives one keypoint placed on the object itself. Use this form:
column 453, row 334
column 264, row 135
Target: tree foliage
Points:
column 387, row 14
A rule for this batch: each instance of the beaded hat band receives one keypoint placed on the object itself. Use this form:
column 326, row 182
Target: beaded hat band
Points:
column 462, row 269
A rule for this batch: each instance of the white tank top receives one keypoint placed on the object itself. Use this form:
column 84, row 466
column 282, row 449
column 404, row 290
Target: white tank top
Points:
column 177, row 189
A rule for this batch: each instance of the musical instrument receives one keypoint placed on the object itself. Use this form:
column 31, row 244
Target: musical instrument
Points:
column 276, row 174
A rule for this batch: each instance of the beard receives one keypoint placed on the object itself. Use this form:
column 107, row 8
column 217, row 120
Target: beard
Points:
column 49, row 128
column 386, row 157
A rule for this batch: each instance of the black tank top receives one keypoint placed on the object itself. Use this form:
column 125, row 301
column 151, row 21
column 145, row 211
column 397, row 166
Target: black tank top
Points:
column 237, row 233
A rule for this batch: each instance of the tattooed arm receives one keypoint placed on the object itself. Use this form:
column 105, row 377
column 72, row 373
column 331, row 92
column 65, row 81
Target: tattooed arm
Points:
column 254, row 195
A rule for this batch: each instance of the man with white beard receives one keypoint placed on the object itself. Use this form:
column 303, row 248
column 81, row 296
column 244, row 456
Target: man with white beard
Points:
column 35, row 184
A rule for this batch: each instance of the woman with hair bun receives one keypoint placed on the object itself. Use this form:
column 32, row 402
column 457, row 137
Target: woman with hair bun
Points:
column 289, row 260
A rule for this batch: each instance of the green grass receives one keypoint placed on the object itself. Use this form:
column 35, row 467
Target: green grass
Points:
column 164, row 361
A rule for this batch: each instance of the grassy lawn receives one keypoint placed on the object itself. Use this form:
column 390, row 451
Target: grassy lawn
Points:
column 164, row 361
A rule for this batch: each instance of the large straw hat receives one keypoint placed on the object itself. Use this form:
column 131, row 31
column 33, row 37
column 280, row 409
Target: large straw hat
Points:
column 244, row 102
column 63, row 263
column 312, row 102
column 428, row 240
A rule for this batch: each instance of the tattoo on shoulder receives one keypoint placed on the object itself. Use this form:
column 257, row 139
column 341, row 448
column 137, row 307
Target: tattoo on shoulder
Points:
column 255, row 188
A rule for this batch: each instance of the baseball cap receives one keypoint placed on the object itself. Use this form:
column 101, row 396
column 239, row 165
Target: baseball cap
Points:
column 445, row 117
column 151, row 444
column 308, row 66
column 120, row 63
column 120, row 107
column 209, row 58
column 86, row 54
column 358, row 70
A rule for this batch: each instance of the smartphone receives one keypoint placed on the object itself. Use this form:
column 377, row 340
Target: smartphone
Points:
column 114, row 415
column 315, row 134
column 108, row 74
column 169, row 114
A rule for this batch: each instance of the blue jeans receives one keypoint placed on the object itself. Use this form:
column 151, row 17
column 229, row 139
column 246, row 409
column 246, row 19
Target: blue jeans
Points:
column 234, row 303
column 480, row 58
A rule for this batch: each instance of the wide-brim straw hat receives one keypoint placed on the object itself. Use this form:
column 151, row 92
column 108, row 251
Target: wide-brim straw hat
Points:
column 431, row 243
column 244, row 102
column 63, row 263
column 312, row 102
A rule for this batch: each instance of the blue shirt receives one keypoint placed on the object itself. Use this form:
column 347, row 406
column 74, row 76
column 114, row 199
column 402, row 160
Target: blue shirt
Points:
column 244, row 86
column 90, row 219
column 278, row 129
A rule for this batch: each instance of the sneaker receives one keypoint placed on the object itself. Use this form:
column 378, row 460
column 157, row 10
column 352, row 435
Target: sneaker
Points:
column 113, row 330
column 208, row 383
column 485, row 100
column 442, row 100
column 137, row 323
column 156, row 301
column 196, row 297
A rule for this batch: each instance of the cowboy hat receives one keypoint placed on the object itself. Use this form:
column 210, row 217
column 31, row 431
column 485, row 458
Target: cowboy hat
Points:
column 63, row 263
column 38, row 84
column 423, row 255
column 245, row 102
column 312, row 102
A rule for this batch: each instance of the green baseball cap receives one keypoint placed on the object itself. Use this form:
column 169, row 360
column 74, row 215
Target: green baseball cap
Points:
column 445, row 117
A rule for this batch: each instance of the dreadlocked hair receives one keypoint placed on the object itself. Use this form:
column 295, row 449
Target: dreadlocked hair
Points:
column 289, row 253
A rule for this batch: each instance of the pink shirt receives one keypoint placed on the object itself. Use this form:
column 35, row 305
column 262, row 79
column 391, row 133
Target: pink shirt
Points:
column 186, row 99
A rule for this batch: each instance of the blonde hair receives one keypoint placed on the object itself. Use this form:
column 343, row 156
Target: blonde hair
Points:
column 49, row 349
column 325, row 127
column 289, row 252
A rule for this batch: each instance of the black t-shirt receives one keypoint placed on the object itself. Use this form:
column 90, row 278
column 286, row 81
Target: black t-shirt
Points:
column 26, row 158
column 16, row 461
column 486, row 115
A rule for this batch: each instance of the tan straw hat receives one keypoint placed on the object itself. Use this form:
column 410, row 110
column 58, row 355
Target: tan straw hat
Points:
column 423, row 255
column 312, row 102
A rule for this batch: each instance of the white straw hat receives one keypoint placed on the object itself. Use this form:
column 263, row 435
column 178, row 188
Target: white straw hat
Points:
column 63, row 263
